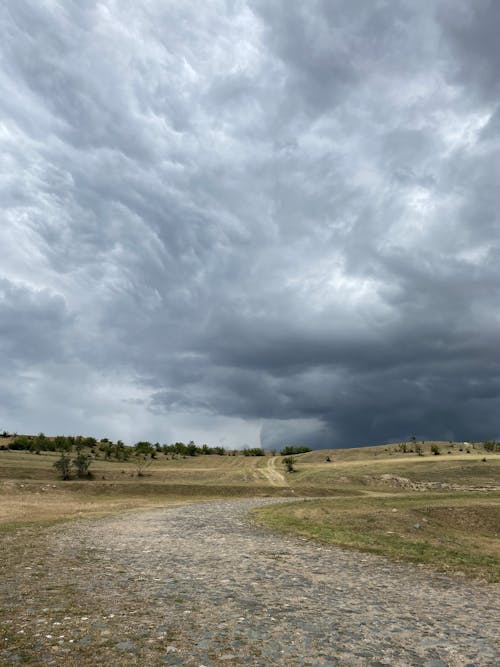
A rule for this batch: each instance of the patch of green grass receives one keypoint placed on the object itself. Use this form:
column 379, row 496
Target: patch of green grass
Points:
column 458, row 532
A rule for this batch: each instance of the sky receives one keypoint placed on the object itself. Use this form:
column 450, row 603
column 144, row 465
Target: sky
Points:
column 250, row 222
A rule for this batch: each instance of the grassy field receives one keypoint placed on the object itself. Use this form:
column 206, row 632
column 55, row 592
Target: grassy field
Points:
column 459, row 531
column 30, row 490
column 442, row 510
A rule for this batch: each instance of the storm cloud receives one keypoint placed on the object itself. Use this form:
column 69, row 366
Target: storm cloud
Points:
column 250, row 222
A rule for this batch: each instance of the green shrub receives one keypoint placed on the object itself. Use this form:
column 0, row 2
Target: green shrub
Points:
column 290, row 450
column 82, row 464
column 63, row 466
column 255, row 451
column 21, row 442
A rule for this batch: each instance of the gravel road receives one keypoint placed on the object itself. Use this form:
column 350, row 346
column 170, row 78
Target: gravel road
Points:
column 200, row 585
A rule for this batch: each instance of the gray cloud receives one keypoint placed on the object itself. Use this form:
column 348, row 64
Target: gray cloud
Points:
column 248, row 222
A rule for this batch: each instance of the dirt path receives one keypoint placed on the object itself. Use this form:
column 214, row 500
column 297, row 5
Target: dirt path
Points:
column 272, row 474
column 200, row 585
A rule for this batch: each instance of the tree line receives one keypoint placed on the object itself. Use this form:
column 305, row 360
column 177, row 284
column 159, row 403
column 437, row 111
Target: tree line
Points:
column 109, row 450
column 104, row 447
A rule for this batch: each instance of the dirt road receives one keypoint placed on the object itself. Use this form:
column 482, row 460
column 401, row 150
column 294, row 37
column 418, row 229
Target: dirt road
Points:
column 200, row 585
column 271, row 472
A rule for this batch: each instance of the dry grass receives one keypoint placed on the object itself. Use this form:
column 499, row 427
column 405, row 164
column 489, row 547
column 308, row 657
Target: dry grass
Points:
column 31, row 492
column 458, row 531
column 455, row 471
column 391, row 450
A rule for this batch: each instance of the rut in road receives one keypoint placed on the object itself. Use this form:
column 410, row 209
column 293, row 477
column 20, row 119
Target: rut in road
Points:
column 200, row 585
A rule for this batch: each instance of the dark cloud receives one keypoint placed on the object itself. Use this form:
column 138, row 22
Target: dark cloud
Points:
column 33, row 324
column 470, row 31
column 250, row 222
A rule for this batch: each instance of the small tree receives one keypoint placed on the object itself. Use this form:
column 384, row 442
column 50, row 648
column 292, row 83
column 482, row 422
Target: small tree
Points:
column 289, row 462
column 419, row 449
column 142, row 456
column 435, row 450
column 82, row 464
column 63, row 466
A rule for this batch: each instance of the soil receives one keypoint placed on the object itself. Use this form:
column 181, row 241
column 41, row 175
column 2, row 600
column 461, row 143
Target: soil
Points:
column 201, row 585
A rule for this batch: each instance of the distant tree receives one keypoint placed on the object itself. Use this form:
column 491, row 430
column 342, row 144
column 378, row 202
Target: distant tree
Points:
column 82, row 463
column 143, row 452
column 419, row 450
column 60, row 442
column 180, row 448
column 21, row 442
column 63, row 463
column 435, row 450
column 63, row 466
column 126, row 453
column 192, row 449
column 120, row 451
column 108, row 449
column 35, row 446
column 289, row 462
column 290, row 450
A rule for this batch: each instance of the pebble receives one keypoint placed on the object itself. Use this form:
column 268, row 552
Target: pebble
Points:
column 200, row 585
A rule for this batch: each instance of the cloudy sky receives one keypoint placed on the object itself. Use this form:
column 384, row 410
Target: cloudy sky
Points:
column 250, row 221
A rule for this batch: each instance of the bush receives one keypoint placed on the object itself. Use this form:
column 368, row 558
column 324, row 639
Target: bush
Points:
column 82, row 465
column 63, row 466
column 255, row 451
column 491, row 446
column 435, row 450
column 290, row 450
column 289, row 462
column 21, row 442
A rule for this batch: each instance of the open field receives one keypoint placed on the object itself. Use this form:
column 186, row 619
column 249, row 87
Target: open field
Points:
column 453, row 497
column 439, row 510
column 30, row 490
column 88, row 579
column 452, row 532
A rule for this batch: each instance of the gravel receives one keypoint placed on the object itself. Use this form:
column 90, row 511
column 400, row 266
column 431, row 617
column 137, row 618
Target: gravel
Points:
column 201, row 585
